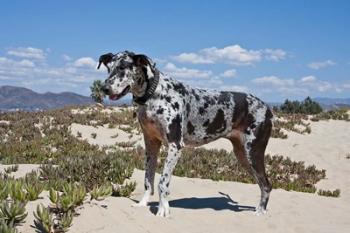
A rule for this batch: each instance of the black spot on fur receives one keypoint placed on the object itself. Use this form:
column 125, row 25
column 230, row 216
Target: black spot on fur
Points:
column 190, row 128
column 209, row 99
column 201, row 110
column 188, row 109
column 175, row 131
column 168, row 99
column 225, row 98
column 195, row 95
column 160, row 110
column 168, row 86
column 206, row 105
column 206, row 123
column 249, row 145
column 218, row 124
column 179, row 87
column 176, row 106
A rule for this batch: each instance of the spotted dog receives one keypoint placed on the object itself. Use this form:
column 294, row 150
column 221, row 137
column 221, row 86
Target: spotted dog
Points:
column 177, row 115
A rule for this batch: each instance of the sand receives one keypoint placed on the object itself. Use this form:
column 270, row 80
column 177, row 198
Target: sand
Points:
column 199, row 205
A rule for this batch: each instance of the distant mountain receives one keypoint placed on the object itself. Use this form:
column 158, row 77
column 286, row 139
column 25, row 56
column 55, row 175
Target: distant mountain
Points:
column 330, row 101
column 19, row 98
column 333, row 103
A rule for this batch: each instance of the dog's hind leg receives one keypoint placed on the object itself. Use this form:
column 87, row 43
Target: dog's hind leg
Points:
column 173, row 156
column 152, row 149
column 256, row 154
column 249, row 148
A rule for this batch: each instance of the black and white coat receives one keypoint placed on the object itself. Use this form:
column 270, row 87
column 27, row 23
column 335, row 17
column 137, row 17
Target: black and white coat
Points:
column 178, row 115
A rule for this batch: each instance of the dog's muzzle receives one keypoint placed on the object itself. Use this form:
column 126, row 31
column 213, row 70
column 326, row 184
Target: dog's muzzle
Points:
column 107, row 90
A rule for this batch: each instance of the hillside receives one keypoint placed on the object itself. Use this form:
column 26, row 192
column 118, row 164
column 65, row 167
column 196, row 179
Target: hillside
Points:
column 19, row 98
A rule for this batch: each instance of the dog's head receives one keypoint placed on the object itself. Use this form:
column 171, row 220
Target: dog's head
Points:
column 128, row 72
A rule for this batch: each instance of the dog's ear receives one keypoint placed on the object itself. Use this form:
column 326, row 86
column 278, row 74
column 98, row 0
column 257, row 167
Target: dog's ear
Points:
column 141, row 60
column 105, row 59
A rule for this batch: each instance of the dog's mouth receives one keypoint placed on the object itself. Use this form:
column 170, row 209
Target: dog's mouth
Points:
column 120, row 95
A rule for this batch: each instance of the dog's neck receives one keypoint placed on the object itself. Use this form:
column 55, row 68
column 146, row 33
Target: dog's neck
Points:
column 152, row 84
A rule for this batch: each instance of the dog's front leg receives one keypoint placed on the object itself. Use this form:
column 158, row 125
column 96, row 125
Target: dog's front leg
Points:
column 152, row 150
column 174, row 154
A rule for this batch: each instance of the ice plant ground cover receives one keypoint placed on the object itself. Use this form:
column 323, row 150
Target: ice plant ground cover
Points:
column 73, row 171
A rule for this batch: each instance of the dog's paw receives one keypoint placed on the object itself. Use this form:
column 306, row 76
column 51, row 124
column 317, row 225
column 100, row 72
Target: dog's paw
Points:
column 163, row 212
column 260, row 211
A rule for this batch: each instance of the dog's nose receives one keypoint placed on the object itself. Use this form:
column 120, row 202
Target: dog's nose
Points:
column 106, row 89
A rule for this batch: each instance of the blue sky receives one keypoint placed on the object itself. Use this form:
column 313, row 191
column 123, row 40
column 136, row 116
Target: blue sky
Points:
column 274, row 49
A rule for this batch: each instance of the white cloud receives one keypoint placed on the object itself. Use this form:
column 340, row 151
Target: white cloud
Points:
column 320, row 65
column 313, row 83
column 85, row 62
column 28, row 52
column 42, row 77
column 184, row 72
column 193, row 58
column 238, row 88
column 302, row 86
column 65, row 57
column 273, row 81
column 308, row 79
column 233, row 54
column 229, row 73
column 275, row 54
column 215, row 81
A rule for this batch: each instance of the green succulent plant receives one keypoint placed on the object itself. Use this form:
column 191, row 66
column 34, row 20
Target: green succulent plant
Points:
column 12, row 213
column 43, row 219
column 53, row 195
column 4, row 228
column 16, row 191
column 34, row 190
column 124, row 190
column 66, row 221
column 101, row 192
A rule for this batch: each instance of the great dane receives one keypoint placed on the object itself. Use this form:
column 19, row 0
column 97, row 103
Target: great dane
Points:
column 177, row 115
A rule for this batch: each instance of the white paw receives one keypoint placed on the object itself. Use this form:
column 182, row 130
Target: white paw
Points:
column 163, row 212
column 260, row 211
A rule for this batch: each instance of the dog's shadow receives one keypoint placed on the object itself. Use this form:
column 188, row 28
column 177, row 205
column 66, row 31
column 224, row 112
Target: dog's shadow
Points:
column 223, row 202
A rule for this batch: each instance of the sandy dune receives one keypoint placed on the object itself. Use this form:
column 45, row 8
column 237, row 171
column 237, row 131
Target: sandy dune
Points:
column 207, row 206
column 199, row 205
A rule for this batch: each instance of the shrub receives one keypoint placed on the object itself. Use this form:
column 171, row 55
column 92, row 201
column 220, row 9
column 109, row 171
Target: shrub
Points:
column 328, row 193
column 339, row 114
column 11, row 169
column 221, row 165
column 90, row 170
column 96, row 91
column 307, row 106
